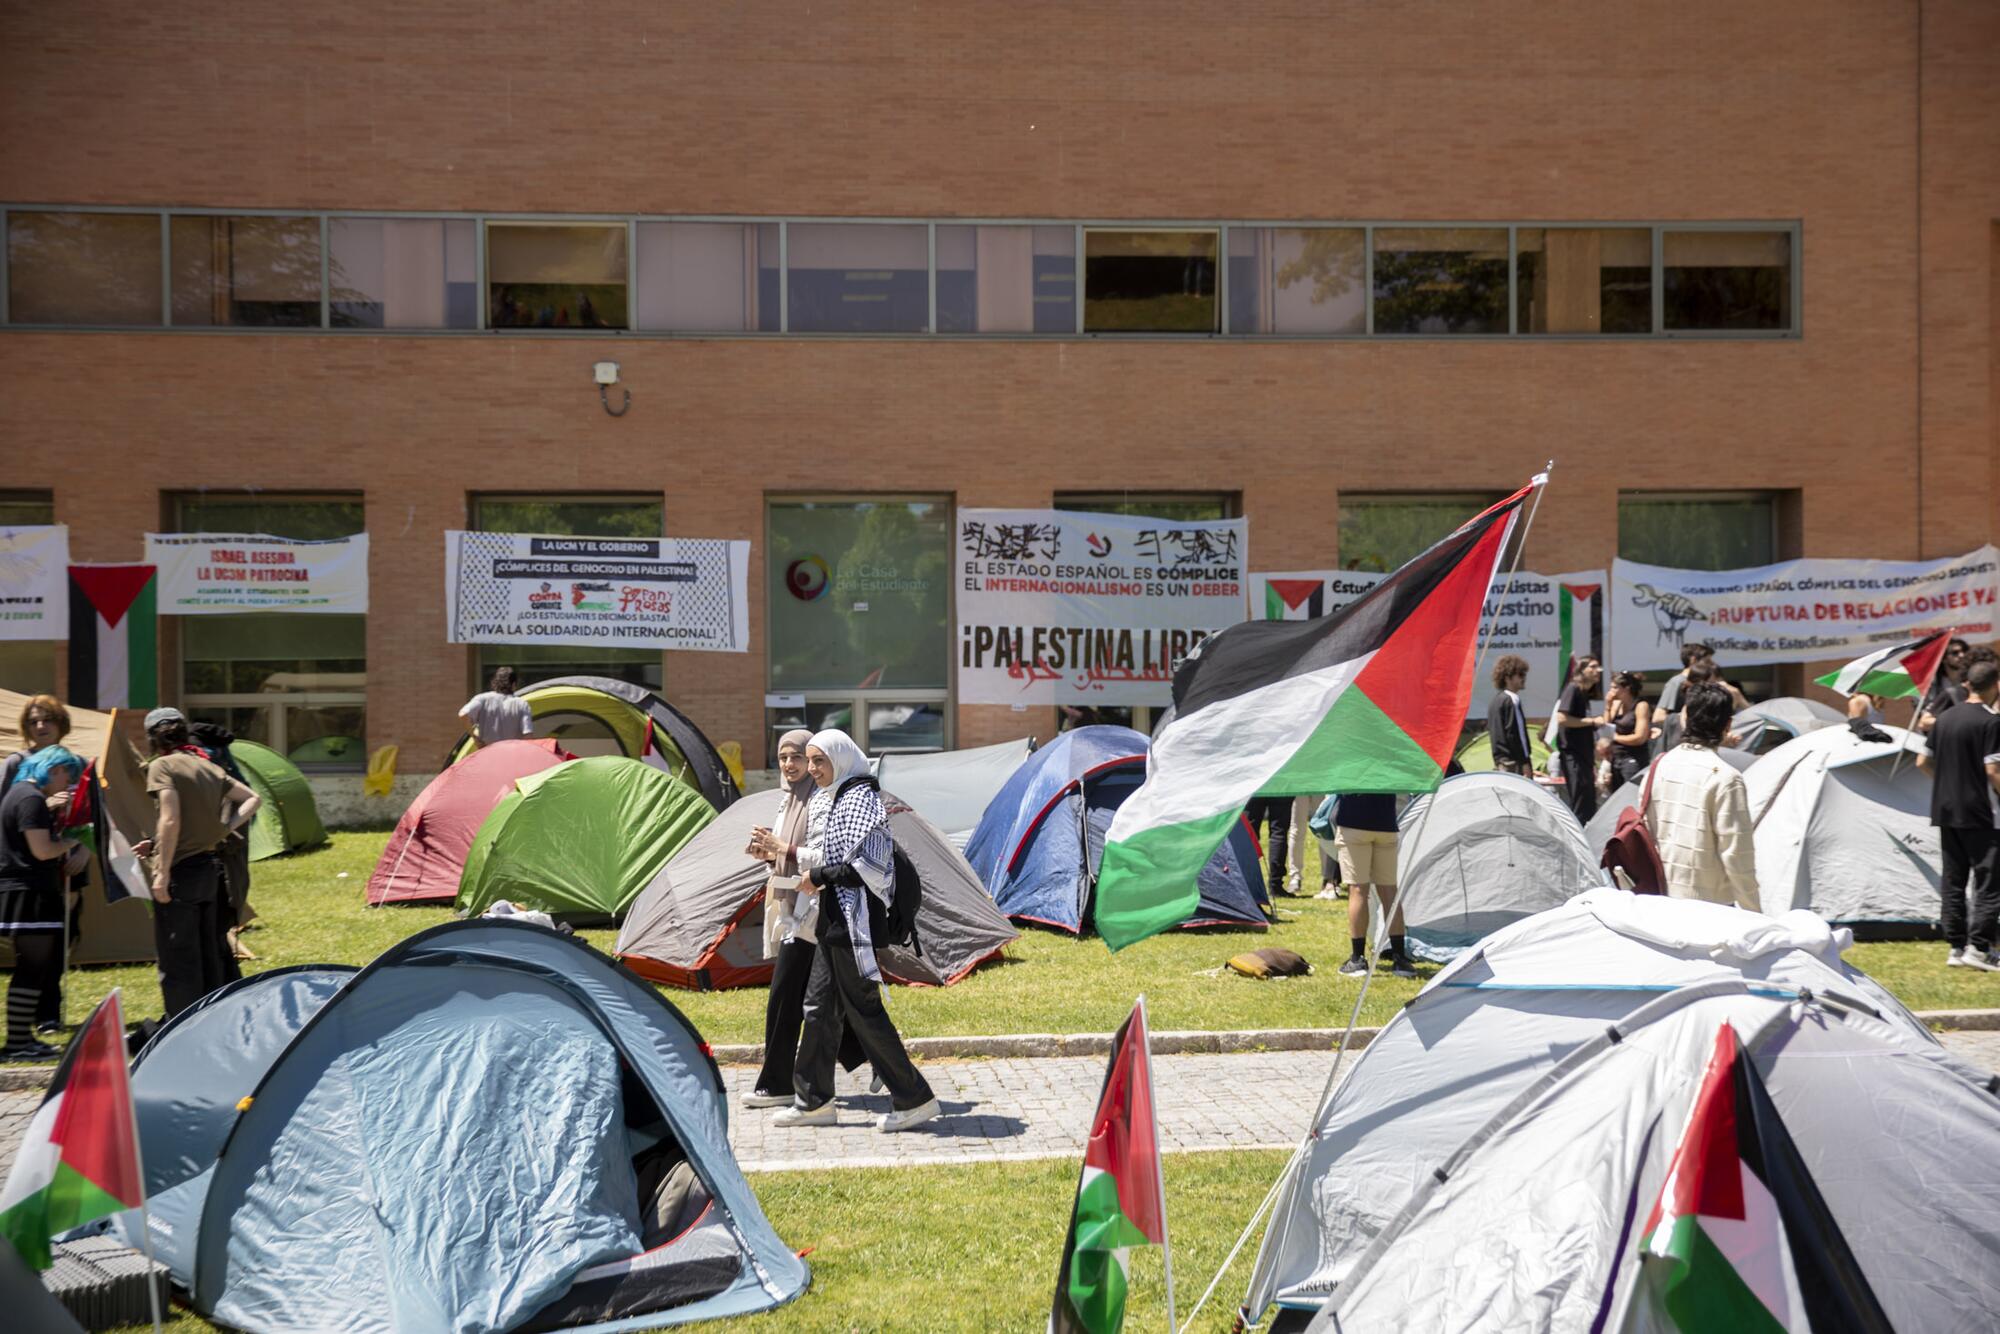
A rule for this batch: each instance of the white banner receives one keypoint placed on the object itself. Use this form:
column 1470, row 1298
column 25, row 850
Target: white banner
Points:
column 607, row 592
column 34, row 583
column 1798, row 610
column 1304, row 595
column 1057, row 607
column 218, row 574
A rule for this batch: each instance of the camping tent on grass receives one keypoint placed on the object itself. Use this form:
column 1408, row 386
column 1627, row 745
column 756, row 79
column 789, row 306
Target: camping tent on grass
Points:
column 1507, row 1132
column 952, row 788
column 700, row 923
column 580, row 840
column 1039, row 845
column 595, row 715
column 468, row 1135
column 1764, row 727
column 289, row 819
column 1497, row 848
column 426, row 854
column 1838, row 834
column 1605, row 823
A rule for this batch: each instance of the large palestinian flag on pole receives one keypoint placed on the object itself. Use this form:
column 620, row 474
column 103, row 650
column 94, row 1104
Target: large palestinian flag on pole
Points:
column 1740, row 1238
column 79, row 1160
column 1902, row 669
column 1121, row 1197
column 1369, row 699
column 114, row 651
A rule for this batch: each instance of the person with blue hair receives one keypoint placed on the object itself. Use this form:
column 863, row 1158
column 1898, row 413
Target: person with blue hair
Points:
column 34, row 859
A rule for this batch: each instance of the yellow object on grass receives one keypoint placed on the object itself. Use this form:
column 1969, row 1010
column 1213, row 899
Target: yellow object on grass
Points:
column 381, row 775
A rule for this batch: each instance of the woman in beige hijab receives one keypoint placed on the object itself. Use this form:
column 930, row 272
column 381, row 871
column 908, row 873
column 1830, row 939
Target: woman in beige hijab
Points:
column 788, row 941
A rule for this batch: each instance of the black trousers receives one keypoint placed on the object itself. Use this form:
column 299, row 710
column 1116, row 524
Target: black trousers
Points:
column 784, row 1012
column 38, row 961
column 1277, row 813
column 1971, row 870
column 186, row 933
column 1580, row 784
column 838, row 1001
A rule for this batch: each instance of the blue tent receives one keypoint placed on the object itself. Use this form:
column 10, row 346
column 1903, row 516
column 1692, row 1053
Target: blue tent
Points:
column 458, row 1137
column 1038, row 847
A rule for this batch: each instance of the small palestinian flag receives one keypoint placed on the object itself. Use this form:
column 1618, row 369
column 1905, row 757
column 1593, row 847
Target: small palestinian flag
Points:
column 1294, row 599
column 80, row 1157
column 1740, row 1238
column 1120, row 1199
column 114, row 650
column 1579, row 623
column 1904, row 669
column 88, row 822
column 1369, row 699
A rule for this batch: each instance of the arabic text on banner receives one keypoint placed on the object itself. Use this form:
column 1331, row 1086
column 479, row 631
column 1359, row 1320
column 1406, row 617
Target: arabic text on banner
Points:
column 211, row 574
column 1056, row 607
column 606, row 592
column 34, row 582
column 1797, row 610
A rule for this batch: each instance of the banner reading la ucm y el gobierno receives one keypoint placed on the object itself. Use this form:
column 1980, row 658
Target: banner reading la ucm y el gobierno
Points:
column 607, row 592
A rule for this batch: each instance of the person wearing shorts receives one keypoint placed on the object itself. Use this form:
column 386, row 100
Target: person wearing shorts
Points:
column 1365, row 825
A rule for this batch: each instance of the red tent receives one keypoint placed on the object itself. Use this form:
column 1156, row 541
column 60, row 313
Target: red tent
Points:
column 427, row 851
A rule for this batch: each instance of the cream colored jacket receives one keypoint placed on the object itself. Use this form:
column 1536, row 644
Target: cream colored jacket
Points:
column 1699, row 814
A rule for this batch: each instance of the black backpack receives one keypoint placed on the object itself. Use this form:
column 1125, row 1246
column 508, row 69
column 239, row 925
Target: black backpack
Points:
column 901, row 927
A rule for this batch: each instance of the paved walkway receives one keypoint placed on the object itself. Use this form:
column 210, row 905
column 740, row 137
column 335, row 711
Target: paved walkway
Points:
column 1013, row 1109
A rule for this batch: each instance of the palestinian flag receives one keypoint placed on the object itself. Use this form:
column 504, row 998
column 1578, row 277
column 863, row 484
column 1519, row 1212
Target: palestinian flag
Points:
column 1579, row 623
column 1904, row 669
column 80, row 1157
column 1740, row 1238
column 1369, row 699
column 89, row 823
column 114, row 649
column 1120, row 1199
column 1294, row 599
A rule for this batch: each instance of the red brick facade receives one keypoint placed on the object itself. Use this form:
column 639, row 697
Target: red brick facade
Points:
column 1876, row 126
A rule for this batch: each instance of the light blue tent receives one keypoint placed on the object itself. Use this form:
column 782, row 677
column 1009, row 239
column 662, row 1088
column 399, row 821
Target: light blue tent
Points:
column 455, row 1139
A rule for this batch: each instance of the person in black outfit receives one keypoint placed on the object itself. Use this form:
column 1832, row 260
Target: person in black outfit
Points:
column 1947, row 687
column 1576, row 736
column 1277, row 813
column 1631, row 719
column 1964, row 765
column 1506, row 721
column 33, row 863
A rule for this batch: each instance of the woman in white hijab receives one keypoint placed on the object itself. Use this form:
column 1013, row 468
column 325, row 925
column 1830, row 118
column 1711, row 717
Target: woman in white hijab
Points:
column 849, row 859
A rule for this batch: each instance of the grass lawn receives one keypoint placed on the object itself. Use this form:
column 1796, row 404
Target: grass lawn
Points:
column 310, row 911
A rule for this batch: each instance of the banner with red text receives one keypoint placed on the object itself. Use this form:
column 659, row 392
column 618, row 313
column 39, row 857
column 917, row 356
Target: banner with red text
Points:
column 1797, row 610
column 1058, row 607
column 211, row 574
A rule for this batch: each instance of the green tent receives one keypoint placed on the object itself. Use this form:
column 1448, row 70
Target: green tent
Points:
column 581, row 840
column 1476, row 755
column 288, row 819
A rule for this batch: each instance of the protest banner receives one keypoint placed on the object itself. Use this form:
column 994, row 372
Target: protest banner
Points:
column 1058, row 607
column 1797, row 610
column 211, row 574
column 34, row 582
column 605, row 592
column 1302, row 595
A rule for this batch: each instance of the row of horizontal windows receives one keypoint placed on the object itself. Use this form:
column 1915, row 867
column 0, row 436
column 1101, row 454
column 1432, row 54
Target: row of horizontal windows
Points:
column 153, row 269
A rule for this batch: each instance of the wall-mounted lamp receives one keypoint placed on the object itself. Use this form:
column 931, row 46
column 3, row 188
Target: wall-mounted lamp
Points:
column 606, row 373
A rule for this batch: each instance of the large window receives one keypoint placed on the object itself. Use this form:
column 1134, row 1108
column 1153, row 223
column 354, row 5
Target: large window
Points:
column 1298, row 280
column 542, row 275
column 83, row 268
column 295, row 681
column 1707, row 530
column 27, row 665
column 569, row 516
column 708, row 277
column 857, row 277
column 1383, row 532
column 403, row 273
column 1583, row 280
column 857, row 592
column 1727, row 280
column 1017, row 280
column 255, row 270
column 1440, row 280
column 1149, row 281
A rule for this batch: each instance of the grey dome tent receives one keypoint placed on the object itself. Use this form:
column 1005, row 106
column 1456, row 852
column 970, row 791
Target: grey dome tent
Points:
column 458, row 1139
column 1483, row 1161
column 700, row 924
column 952, row 788
column 1497, row 848
column 1843, row 827
column 1603, row 824
column 1766, row 726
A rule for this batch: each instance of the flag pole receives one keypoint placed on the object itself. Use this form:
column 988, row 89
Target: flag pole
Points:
column 1923, row 694
column 138, row 1157
column 1159, row 1163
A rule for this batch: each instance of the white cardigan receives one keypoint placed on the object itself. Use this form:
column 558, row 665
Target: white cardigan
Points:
column 1699, row 813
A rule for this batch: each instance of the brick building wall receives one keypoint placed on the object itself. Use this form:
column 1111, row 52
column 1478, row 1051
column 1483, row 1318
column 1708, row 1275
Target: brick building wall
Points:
column 1875, row 125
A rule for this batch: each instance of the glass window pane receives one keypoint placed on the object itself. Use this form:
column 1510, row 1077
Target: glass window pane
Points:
column 272, row 651
column 1440, row 280
column 245, row 723
column 857, row 592
column 912, row 726
column 303, row 520
column 252, row 271
column 1584, row 280
column 1149, row 282
column 1298, row 280
column 83, row 268
column 403, row 273
column 555, row 275
column 1381, row 533
column 708, row 277
column 24, row 509
column 858, row 277
column 1178, row 507
column 1698, row 532
column 1006, row 279
column 333, row 736
column 1727, row 280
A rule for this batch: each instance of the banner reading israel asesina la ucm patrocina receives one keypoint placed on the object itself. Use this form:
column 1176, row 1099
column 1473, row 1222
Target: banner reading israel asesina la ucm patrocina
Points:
column 1060, row 607
column 1797, row 610
column 611, row 592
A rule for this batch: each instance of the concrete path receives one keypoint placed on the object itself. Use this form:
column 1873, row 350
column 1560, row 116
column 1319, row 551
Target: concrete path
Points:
column 1013, row 1109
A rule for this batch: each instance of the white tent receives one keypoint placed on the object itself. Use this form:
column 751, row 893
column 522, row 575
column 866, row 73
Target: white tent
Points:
column 1498, row 848
column 1844, row 828
column 951, row 788
column 1765, row 727
column 1487, row 1160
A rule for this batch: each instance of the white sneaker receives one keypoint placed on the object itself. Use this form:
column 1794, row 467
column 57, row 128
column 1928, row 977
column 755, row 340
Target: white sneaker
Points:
column 757, row 1098
column 826, row 1114
column 1986, row 960
column 1956, row 959
column 1292, row 882
column 890, row 1122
